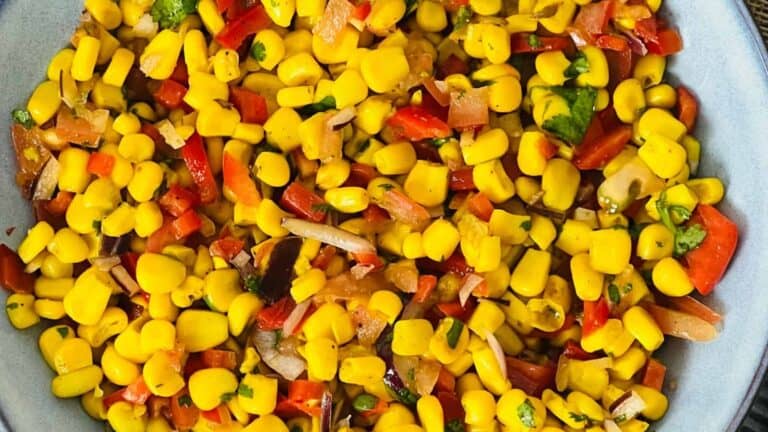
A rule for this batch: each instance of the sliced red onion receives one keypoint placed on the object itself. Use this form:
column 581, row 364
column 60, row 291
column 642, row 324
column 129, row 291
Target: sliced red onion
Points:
column 293, row 320
column 629, row 408
column 105, row 264
column 360, row 271
column 426, row 376
column 498, row 352
column 288, row 366
column 341, row 118
column 240, row 260
column 472, row 281
column 48, row 179
column 577, row 39
column 98, row 118
column 326, row 412
column 611, row 426
column 124, row 278
column 635, row 43
column 168, row 131
column 329, row 235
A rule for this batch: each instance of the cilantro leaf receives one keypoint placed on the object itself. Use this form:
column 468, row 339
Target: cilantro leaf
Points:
column 578, row 417
column 463, row 15
column 11, row 306
column 526, row 412
column 581, row 102
column 533, row 41
column 454, row 425
column 259, row 51
column 62, row 331
column 526, row 225
column 686, row 238
column 253, row 284
column 328, row 102
column 578, row 66
column 245, row 391
column 613, row 293
column 454, row 333
column 23, row 117
column 364, row 402
column 226, row 397
column 170, row 13
column 185, row 400
column 439, row 142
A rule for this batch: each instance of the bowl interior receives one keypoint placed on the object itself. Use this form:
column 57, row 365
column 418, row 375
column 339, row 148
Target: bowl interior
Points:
column 722, row 64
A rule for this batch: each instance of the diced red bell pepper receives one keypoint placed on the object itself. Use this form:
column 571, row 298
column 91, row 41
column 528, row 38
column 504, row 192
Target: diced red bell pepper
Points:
column 178, row 200
column 362, row 10
column 180, row 73
column 226, row 248
column 323, row 258
column 480, row 206
column 360, row 175
column 687, row 107
column 186, row 224
column 237, row 178
column 196, row 159
column 12, row 275
column 374, row 214
column 612, row 42
column 150, row 130
column 593, row 18
column 456, row 310
column 424, row 288
column 708, row 262
column 223, row 5
column 100, row 164
column 647, row 30
column 170, row 94
column 654, row 374
column 532, row 378
column 251, row 105
column 596, row 314
column 669, row 42
column 452, row 409
column 446, row 382
column 572, row 350
column 304, row 203
column 237, row 30
column 596, row 153
column 59, row 205
column 215, row 358
column 305, row 390
column 273, row 317
column 620, row 65
column 457, row 264
column 136, row 393
column 461, row 180
column 415, row 124
column 219, row 415
column 184, row 413
column 520, row 43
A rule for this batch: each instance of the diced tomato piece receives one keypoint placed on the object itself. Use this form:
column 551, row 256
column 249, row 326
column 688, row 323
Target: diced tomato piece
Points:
column 687, row 107
column 596, row 153
column 480, row 206
column 441, row 97
column 237, row 177
column 468, row 109
column 669, row 42
column 612, row 42
column 374, row 214
column 593, row 18
column 219, row 415
column 547, row 148
column 360, row 175
column 305, row 390
column 304, row 203
column 425, row 286
column 708, row 262
column 596, row 314
column 186, row 224
column 150, row 130
column 273, row 317
column 530, row 377
column 12, row 275
column 223, row 5
column 647, row 30
column 196, row 159
column 415, row 123
column 521, row 43
column 453, row 65
column 214, row 358
column 620, row 65
column 251, row 105
column 170, row 94
column 324, row 257
column 129, row 260
column 446, row 382
column 461, row 180
column 452, row 409
column 100, row 164
column 237, row 30
column 178, row 200
column 654, row 374
column 184, row 413
column 457, row 265
column 137, row 392
column 572, row 350
column 362, row 10
column 403, row 208
column 180, row 73
column 227, row 247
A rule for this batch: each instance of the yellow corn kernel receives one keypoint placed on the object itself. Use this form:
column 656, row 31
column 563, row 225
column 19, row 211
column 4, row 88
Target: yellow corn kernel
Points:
column 655, row 402
column 157, row 335
column 293, row 97
column 650, row 69
column 93, row 405
column 413, row 246
column 68, row 247
column 53, row 289
column 269, row 218
column 226, row 65
column 108, row 96
column 439, row 346
column 527, row 189
column 629, row 100
column 521, row 23
column 560, row 182
column 551, row 66
column 693, row 149
column 20, row 309
column 496, row 45
column 679, row 195
column 208, row 386
column 610, row 250
column 77, row 383
column 362, row 370
column 220, row 289
column 385, row 15
column 487, row 146
column 491, row 179
column 332, row 174
column 87, row 300
column 86, row 55
column 35, row 242
column 395, row 159
column 512, row 228
column 113, row 321
column 427, row 183
column 126, row 124
column 546, row 315
column 549, row 107
column 251, row 133
column 530, row 275
column 272, row 169
column 257, row 394
column 102, row 194
column 440, row 239
column 587, row 378
column 160, row 274
column 307, row 285
column 587, row 281
column 709, row 190
column 626, row 366
column 118, row 68
column 479, row 407
column 597, row 75
column 161, row 307
column 282, row 129
column 558, row 22
column 309, row 8
column 340, row 51
column 663, row 156
column 204, row 88
column 348, row 199
column 371, row 114
column 431, row 16
column 73, row 176
column 322, row 359
column 543, row 231
column 486, row 318
column 299, row 69
column 120, row 222
column 384, row 68
column 60, row 63
column 386, row 302
column 670, row 278
column 198, row 338
column 117, row 369
column 411, row 337
column 655, row 242
column 44, row 102
column 161, row 55
column 242, row 311
column 504, row 94
column 213, row 120
column 146, row 179
column 657, row 121
column 149, row 218
column 195, row 52
column 488, row 370
column 641, row 325
column 107, row 13
column 661, row 96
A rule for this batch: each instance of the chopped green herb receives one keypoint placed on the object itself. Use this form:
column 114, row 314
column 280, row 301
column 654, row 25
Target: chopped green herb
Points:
column 627, row 288
column 581, row 102
column 245, row 391
column 253, row 284
column 613, row 293
column 454, row 333
column 578, row 66
column 620, row 419
column 259, row 51
column 326, row 103
column 439, row 142
column 410, row 7
column 526, row 413
column 411, row 374
column 686, row 238
column 578, row 417
column 63, row 331
column 226, row 397
column 533, row 41
column 23, row 117
column 96, row 224
column 278, row 337
column 12, row 306
column 185, row 400
column 323, row 207
column 170, row 13
column 405, row 396
column 526, row 225
column 387, row 186
column 365, row 145
column 463, row 15
column 364, row 402
column 455, row 425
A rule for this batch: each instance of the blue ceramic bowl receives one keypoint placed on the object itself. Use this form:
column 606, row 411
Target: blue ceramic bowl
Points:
column 723, row 62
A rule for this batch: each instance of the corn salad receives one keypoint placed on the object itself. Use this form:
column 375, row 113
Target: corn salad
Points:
column 315, row 215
